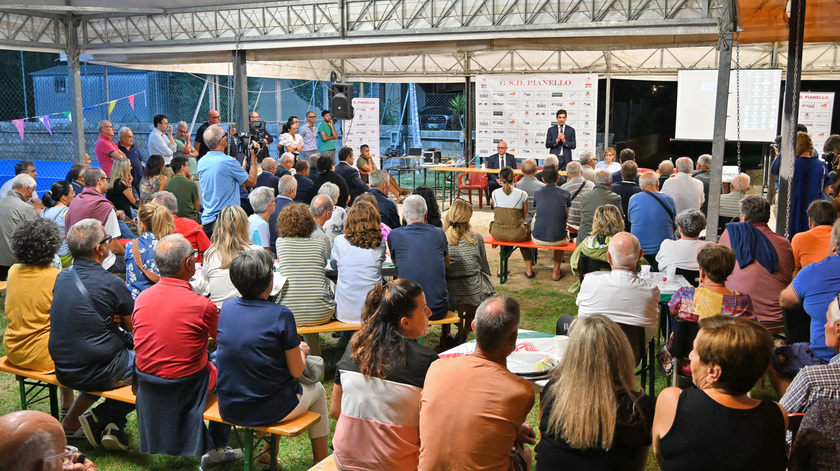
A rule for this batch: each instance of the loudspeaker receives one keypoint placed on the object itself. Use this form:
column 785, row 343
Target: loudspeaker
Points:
column 342, row 101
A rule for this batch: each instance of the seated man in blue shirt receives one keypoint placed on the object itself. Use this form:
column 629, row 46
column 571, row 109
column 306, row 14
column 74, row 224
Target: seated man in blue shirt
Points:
column 421, row 254
column 651, row 215
column 813, row 289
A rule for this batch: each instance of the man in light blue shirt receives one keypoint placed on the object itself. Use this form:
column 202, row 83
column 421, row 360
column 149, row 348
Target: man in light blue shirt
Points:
column 159, row 143
column 309, row 132
column 220, row 176
column 651, row 215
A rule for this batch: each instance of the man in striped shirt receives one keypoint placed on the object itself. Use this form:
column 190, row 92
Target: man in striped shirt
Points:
column 819, row 381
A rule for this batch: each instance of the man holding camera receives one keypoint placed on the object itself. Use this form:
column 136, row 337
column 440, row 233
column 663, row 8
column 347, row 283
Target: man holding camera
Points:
column 220, row 177
column 259, row 135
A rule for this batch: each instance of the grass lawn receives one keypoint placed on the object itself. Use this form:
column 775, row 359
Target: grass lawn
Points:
column 542, row 303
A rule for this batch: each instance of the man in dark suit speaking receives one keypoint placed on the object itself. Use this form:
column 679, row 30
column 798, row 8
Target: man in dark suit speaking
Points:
column 500, row 160
column 561, row 140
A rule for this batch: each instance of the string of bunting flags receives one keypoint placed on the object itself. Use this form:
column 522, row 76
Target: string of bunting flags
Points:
column 45, row 119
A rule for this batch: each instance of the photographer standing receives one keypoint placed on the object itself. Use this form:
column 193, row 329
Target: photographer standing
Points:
column 259, row 135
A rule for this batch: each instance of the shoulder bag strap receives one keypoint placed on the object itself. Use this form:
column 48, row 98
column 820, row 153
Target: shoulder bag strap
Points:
column 667, row 209
column 109, row 319
column 580, row 188
column 59, row 214
column 136, row 252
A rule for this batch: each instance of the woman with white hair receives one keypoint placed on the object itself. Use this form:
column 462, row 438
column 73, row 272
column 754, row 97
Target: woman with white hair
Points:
column 334, row 227
column 682, row 253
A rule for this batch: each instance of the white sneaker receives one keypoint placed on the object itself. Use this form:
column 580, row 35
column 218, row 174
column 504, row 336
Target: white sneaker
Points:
column 219, row 456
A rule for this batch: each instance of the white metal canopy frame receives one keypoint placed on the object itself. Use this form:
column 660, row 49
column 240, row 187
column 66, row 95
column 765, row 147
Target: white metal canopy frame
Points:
column 396, row 40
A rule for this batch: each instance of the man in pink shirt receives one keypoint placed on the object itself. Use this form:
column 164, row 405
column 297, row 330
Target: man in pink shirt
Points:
column 106, row 150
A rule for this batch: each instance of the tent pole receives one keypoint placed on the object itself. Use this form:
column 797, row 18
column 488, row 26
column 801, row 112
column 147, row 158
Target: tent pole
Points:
column 77, row 124
column 278, row 92
column 468, row 121
column 608, row 102
column 240, row 92
column 790, row 113
column 198, row 105
column 727, row 27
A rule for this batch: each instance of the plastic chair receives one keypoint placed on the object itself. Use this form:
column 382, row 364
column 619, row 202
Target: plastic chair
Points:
column 797, row 325
column 683, row 342
column 588, row 265
column 693, row 276
column 477, row 182
column 640, row 346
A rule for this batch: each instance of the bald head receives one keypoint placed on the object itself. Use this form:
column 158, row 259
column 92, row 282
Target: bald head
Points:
column 496, row 323
column 741, row 183
column 269, row 165
column 29, row 437
column 529, row 167
column 666, row 168
column 624, row 251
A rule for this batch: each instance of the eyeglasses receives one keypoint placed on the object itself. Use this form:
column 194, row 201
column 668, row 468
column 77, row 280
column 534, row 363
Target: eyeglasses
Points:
column 462, row 199
column 192, row 254
column 106, row 240
column 106, row 179
column 66, row 457
column 216, row 117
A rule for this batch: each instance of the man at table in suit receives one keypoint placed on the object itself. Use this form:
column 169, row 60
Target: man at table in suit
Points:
column 497, row 161
column 348, row 172
column 560, row 140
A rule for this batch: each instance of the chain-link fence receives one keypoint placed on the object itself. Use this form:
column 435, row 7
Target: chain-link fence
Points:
column 35, row 118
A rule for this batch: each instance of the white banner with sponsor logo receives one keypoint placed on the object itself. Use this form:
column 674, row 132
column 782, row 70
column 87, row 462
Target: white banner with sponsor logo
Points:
column 364, row 127
column 519, row 109
column 815, row 109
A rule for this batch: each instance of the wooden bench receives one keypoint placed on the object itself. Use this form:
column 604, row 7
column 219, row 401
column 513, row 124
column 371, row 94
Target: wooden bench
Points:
column 506, row 249
column 32, row 386
column 327, row 464
column 338, row 326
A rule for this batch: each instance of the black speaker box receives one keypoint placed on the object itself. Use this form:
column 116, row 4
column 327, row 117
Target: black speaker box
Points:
column 342, row 101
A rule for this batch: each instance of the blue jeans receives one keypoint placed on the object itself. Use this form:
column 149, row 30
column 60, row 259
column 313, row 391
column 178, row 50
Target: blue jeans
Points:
column 125, row 231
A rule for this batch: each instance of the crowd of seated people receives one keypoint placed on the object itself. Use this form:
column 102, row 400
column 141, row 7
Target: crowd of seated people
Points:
column 252, row 303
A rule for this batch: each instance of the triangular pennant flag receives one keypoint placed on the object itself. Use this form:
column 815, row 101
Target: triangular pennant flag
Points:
column 111, row 105
column 46, row 120
column 131, row 101
column 19, row 125
column 68, row 115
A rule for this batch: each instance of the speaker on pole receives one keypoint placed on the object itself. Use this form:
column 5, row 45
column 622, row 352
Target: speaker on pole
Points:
column 342, row 101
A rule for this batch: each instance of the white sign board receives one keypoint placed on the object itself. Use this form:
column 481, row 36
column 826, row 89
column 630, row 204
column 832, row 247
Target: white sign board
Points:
column 364, row 127
column 759, row 104
column 815, row 110
column 519, row 109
